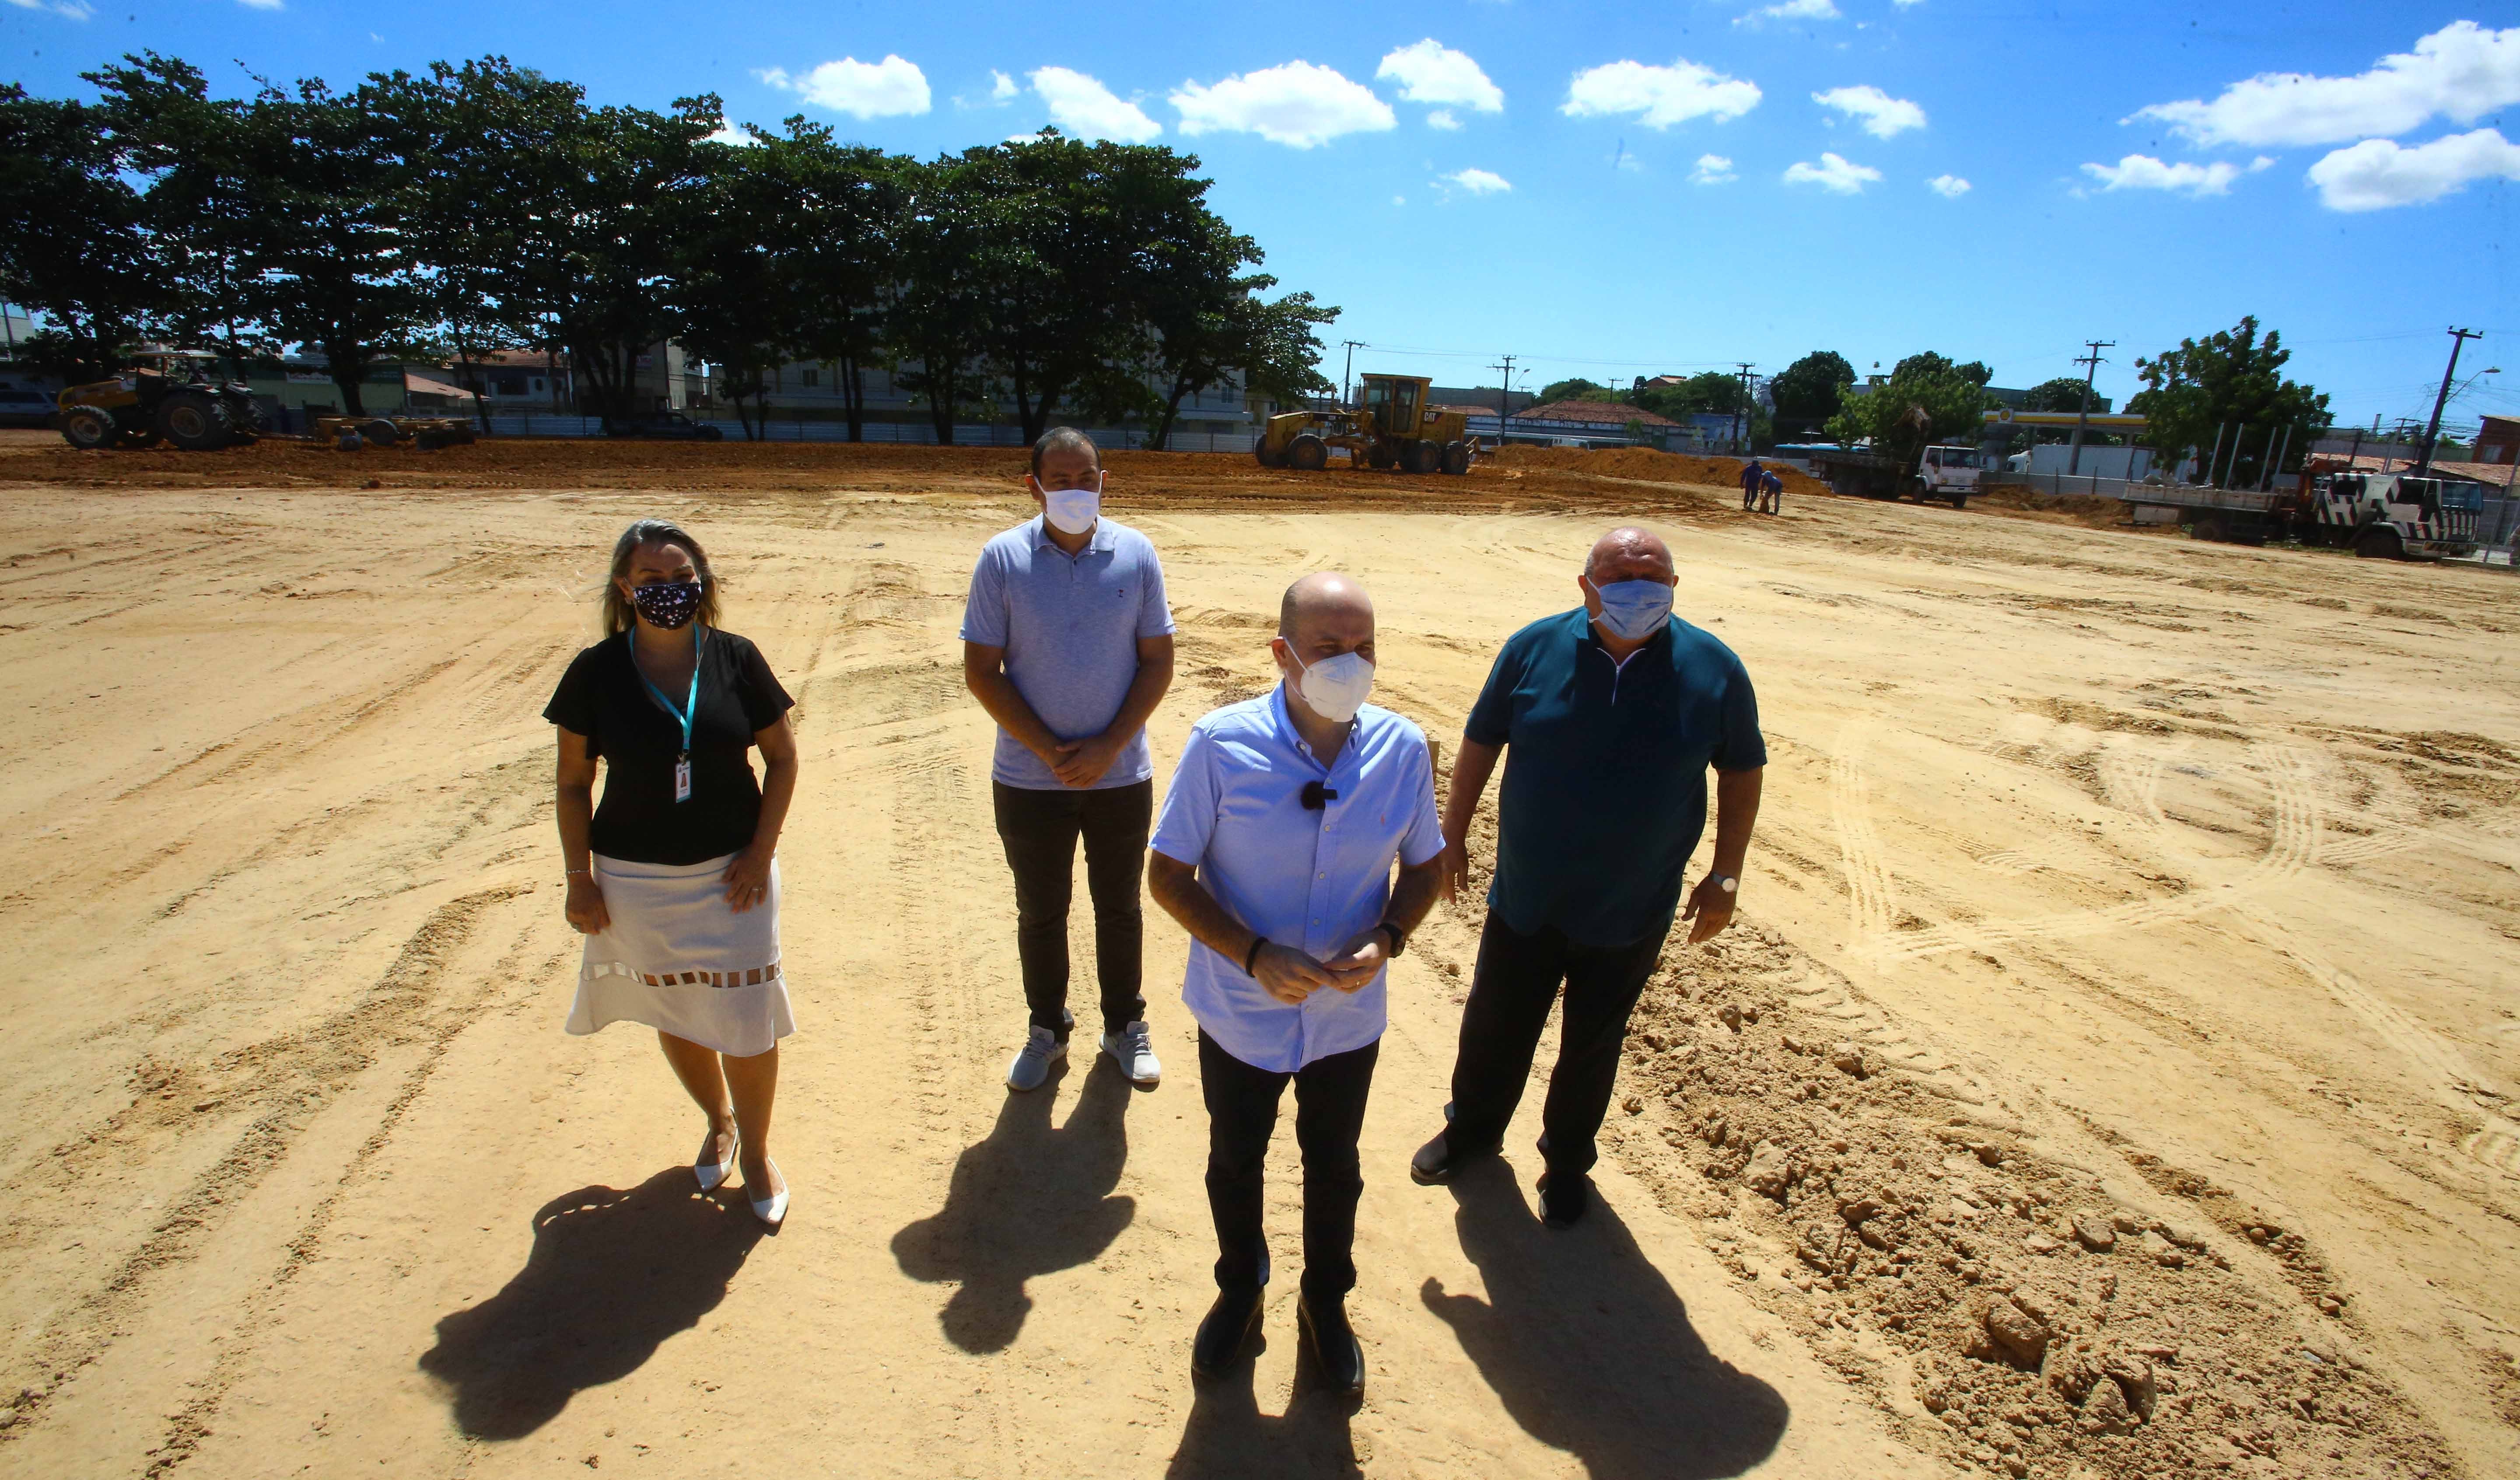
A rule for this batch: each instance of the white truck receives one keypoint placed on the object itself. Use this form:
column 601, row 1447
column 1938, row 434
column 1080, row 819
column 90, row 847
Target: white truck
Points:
column 1949, row 472
column 1941, row 472
column 2391, row 515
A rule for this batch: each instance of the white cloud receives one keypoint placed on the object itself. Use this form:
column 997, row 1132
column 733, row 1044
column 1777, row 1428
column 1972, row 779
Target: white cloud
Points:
column 1789, row 9
column 2461, row 71
column 76, row 9
column 1443, row 118
column 736, row 134
column 1659, row 96
column 1002, row 88
column 1478, row 182
column 262, row 5
column 2145, row 172
column 2376, row 174
column 1949, row 187
column 1085, row 108
column 1295, row 104
column 1843, row 176
column 1882, row 115
column 1431, row 73
column 1712, row 169
column 861, row 89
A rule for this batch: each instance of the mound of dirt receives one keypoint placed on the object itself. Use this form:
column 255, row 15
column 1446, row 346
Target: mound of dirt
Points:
column 1901, row 1220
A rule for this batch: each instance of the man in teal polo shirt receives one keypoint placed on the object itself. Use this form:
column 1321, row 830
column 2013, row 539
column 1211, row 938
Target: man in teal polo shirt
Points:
column 1613, row 715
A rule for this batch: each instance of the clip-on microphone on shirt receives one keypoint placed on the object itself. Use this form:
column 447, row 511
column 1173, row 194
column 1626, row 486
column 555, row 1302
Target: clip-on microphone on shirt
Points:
column 1314, row 796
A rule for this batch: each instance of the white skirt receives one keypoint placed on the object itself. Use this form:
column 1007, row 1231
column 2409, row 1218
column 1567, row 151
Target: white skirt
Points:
column 677, row 958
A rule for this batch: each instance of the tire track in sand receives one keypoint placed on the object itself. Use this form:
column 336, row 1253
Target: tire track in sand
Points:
column 2451, row 1079
column 2289, row 851
column 293, row 1078
column 1870, row 900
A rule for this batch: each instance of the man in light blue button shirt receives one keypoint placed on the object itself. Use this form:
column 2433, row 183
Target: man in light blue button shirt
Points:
column 1275, row 850
column 1068, row 645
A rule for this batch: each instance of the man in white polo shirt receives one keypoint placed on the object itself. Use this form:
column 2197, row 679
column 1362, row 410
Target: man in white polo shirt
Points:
column 1068, row 645
column 1274, row 851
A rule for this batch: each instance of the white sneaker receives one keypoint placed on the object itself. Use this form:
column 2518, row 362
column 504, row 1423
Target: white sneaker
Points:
column 1133, row 1049
column 1032, row 1066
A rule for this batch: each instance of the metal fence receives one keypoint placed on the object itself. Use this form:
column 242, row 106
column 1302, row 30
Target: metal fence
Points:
column 2056, row 484
column 1117, row 438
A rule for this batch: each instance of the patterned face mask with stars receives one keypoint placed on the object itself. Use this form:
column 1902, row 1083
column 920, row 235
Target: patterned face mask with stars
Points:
column 667, row 603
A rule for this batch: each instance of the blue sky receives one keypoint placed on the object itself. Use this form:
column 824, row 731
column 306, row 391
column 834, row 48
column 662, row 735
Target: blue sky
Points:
column 1620, row 190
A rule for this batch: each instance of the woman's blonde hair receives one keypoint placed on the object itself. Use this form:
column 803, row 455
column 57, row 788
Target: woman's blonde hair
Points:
column 618, row 614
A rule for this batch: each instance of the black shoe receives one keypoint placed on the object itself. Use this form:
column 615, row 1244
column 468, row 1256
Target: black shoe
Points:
column 1436, row 1161
column 1224, row 1330
column 1563, row 1199
column 1336, row 1349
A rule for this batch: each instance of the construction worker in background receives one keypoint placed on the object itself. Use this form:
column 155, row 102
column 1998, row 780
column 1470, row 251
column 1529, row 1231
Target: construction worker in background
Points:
column 1752, row 477
column 1772, row 491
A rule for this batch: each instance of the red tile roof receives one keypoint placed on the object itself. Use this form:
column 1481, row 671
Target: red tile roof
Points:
column 1596, row 413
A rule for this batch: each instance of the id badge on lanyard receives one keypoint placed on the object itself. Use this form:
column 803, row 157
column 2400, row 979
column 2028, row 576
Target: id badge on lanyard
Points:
column 684, row 715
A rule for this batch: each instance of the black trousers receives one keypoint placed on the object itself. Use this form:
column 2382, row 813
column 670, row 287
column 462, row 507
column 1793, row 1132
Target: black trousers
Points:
column 1040, row 829
column 1510, row 991
column 1241, row 1115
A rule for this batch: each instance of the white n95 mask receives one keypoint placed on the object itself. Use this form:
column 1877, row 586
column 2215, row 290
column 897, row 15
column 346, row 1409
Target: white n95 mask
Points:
column 1336, row 687
column 1073, row 511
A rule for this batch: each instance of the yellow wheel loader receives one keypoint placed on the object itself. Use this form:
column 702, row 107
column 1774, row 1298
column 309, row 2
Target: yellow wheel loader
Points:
column 1390, row 426
column 169, row 395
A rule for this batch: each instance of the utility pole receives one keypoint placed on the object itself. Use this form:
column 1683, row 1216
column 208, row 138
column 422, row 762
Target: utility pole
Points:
column 2459, row 339
column 1741, row 418
column 2091, row 364
column 1353, row 345
column 1505, row 396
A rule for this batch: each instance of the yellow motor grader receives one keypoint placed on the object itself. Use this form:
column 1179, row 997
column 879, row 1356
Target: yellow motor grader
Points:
column 173, row 395
column 1390, row 426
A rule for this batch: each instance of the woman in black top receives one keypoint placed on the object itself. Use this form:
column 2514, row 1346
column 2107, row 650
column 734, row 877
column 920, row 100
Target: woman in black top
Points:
column 674, row 878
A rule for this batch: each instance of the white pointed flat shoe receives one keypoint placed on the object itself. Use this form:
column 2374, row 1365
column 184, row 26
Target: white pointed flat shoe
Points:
column 712, row 1174
column 773, row 1210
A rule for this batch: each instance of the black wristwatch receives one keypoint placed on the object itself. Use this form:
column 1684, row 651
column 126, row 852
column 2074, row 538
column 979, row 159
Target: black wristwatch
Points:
column 1399, row 938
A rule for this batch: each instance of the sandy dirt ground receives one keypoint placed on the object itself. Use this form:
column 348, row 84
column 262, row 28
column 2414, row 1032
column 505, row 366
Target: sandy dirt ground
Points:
column 2112, row 1073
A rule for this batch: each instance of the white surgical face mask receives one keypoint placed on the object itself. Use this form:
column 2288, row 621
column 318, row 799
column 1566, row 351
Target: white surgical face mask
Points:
column 1073, row 511
column 1336, row 687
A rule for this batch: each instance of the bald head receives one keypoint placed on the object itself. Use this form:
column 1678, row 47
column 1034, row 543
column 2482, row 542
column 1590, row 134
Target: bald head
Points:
column 1324, row 595
column 1630, row 553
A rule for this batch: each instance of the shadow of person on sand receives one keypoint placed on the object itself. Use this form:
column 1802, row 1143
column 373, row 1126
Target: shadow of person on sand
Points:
column 1028, row 1201
column 1228, row 1436
column 1591, row 1348
column 611, row 1275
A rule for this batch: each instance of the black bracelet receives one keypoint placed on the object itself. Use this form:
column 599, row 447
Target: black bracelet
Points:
column 1251, row 957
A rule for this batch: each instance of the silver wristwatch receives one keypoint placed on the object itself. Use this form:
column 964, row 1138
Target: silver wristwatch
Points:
column 1729, row 883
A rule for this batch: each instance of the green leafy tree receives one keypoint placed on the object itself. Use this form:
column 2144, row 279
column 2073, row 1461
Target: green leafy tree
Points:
column 1577, row 389
column 1806, row 392
column 487, row 145
column 2063, row 393
column 941, row 330
column 1717, row 392
column 74, row 243
column 838, row 270
column 731, row 274
column 2228, row 389
column 288, row 205
column 1927, row 399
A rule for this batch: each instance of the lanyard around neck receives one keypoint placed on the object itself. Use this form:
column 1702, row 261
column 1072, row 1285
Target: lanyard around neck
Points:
column 690, row 701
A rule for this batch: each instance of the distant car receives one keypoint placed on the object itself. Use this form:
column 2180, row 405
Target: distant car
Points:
column 672, row 424
column 26, row 408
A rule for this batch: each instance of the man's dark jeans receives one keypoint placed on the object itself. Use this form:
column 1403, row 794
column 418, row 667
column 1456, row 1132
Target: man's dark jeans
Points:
column 1511, row 990
column 1329, row 1115
column 1040, row 829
